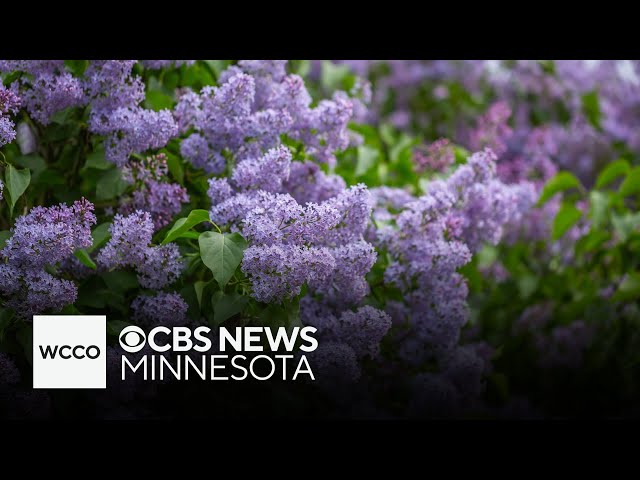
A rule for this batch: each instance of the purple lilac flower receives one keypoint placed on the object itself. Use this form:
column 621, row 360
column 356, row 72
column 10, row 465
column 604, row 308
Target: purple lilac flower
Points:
column 158, row 64
column 9, row 104
column 129, row 246
column 168, row 309
column 197, row 150
column 153, row 194
column 435, row 235
column 347, row 285
column 492, row 130
column 279, row 271
column 265, row 173
column 255, row 103
column 132, row 130
column 47, row 235
column 362, row 330
column 109, row 85
column 435, row 157
column 308, row 183
column 219, row 190
column 50, row 93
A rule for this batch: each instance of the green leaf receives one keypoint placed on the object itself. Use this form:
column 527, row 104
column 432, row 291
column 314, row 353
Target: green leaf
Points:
column 77, row 67
column 175, row 167
column 33, row 162
column 97, row 161
column 591, row 108
column 120, row 280
column 612, row 171
column 527, row 284
column 222, row 253
column 190, row 234
column 82, row 255
column 4, row 236
column 16, row 182
column 199, row 288
column 333, row 76
column 183, row 224
column 599, row 203
column 110, row 185
column 625, row 225
column 226, row 306
column 367, row 157
column 631, row 184
column 100, row 236
column 629, row 288
column 157, row 100
column 114, row 327
column 567, row 216
column 561, row 182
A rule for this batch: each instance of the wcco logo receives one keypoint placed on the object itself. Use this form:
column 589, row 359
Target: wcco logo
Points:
column 69, row 351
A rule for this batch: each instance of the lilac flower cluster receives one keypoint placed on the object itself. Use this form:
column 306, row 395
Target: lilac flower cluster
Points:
column 153, row 194
column 115, row 94
column 132, row 129
column 492, row 129
column 320, row 243
column 9, row 104
column 111, row 90
column 129, row 246
column 46, row 89
column 168, row 309
column 158, row 64
column 257, row 102
column 435, row 157
column 43, row 237
column 427, row 242
column 292, row 244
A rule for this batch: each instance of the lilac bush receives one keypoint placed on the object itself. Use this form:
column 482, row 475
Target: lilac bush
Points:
column 460, row 233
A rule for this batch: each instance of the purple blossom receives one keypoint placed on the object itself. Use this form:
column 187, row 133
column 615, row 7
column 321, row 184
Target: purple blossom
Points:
column 109, row 85
column 129, row 246
column 197, row 150
column 162, row 266
column 153, row 194
column 9, row 104
column 347, row 285
column 219, row 190
column 168, row 309
column 265, row 173
column 39, row 292
column 362, row 330
column 354, row 206
column 132, row 130
column 308, row 183
column 47, row 235
column 436, row 157
column 279, row 271
column 158, row 64
column 50, row 93
column 254, row 105
column 492, row 130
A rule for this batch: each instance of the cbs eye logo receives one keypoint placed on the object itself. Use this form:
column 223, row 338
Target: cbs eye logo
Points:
column 132, row 339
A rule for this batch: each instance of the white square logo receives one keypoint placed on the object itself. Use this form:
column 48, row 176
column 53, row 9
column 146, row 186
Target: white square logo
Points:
column 69, row 351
